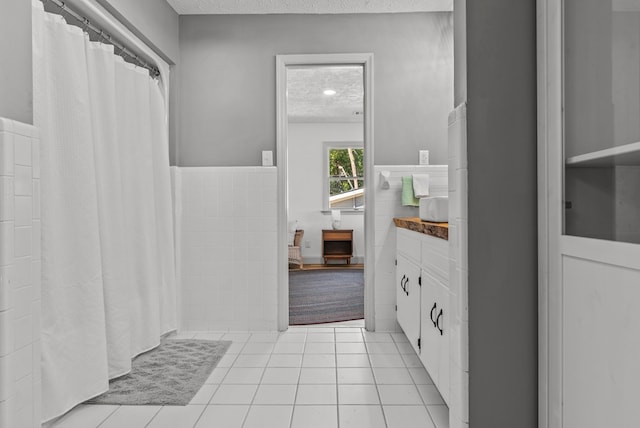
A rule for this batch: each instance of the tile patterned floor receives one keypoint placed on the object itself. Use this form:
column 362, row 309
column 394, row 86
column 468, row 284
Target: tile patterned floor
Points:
column 321, row 376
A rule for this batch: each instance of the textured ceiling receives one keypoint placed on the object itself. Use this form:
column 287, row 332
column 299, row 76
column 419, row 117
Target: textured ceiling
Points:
column 306, row 101
column 205, row 7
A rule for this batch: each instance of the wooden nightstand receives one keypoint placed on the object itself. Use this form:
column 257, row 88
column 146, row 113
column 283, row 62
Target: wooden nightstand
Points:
column 337, row 244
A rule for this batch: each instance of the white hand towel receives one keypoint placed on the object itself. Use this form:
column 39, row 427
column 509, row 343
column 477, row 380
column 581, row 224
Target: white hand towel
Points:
column 421, row 185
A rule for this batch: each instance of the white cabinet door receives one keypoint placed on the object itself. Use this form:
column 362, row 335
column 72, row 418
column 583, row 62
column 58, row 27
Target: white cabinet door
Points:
column 408, row 299
column 430, row 340
column 442, row 327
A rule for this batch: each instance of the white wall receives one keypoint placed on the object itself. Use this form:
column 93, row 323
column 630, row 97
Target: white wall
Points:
column 20, row 378
column 306, row 179
column 458, row 270
column 389, row 205
column 227, row 80
column 228, row 243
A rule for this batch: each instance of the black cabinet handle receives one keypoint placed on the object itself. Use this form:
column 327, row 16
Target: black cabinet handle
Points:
column 438, row 322
column 405, row 286
column 435, row 305
column 402, row 282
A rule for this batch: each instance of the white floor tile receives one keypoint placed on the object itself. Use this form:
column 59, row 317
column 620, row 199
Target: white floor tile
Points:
column 405, row 348
column 320, row 348
column 208, row 336
column 392, row 376
column 353, row 360
column 351, row 348
column 361, row 417
column 204, row 394
column 236, row 336
column 399, row 337
column 234, row 394
column 264, row 337
column 315, row 417
column 440, row 415
column 346, row 326
column 258, row 348
column 400, row 395
column 243, row 375
column 289, row 348
column 251, row 360
column 430, row 394
column 223, row 416
column 370, row 337
column 131, row 417
column 386, row 360
column 316, row 395
column 297, row 387
column 235, row 347
column 318, row 360
column 412, row 360
column 326, row 329
column 281, row 375
column 420, row 376
column 292, row 337
column 227, row 360
column 268, row 417
column 407, row 417
column 382, row 348
column 349, row 337
column 358, row 394
column 325, row 375
column 275, row 394
column 285, row 360
column 85, row 416
column 217, row 375
column 355, row 375
column 176, row 416
column 320, row 337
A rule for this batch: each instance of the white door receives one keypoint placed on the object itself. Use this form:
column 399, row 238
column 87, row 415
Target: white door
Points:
column 431, row 338
column 408, row 299
column 589, row 227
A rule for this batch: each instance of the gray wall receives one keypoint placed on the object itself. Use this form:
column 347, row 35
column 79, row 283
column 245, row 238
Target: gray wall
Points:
column 227, row 80
column 501, row 95
column 154, row 21
column 16, row 87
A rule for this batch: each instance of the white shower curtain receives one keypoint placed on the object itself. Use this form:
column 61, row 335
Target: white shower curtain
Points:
column 108, row 277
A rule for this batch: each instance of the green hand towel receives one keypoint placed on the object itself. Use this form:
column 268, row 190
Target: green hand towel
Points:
column 408, row 198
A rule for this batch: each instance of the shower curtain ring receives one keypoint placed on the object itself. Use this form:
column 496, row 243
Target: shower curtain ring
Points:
column 86, row 24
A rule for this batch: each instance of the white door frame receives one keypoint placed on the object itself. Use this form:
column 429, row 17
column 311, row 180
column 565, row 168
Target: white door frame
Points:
column 550, row 218
column 282, row 62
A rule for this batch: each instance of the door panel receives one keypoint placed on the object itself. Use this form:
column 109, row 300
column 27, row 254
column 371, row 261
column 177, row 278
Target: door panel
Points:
column 408, row 299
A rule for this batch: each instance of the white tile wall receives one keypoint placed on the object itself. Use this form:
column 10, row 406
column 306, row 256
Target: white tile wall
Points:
column 389, row 205
column 458, row 268
column 227, row 243
column 20, row 379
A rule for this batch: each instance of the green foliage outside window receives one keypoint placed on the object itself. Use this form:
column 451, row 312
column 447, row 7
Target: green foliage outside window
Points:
column 346, row 170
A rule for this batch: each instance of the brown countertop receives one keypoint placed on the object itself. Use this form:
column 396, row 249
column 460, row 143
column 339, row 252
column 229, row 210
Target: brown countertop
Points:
column 439, row 230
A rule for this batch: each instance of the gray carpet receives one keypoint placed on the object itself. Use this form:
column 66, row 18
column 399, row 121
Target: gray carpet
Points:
column 170, row 374
column 322, row 296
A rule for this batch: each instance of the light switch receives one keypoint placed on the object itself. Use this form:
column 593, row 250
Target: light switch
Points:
column 267, row 158
column 424, row 157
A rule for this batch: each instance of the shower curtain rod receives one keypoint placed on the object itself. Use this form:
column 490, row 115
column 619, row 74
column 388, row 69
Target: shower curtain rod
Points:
column 87, row 25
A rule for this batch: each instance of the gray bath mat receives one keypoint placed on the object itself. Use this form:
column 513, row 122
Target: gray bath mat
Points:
column 170, row 374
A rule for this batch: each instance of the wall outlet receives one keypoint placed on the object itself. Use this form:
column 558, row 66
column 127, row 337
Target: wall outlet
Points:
column 307, row 244
column 424, row 157
column 267, row 158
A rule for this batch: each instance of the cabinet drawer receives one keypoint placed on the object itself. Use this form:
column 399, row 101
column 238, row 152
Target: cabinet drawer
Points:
column 435, row 257
column 408, row 244
column 337, row 235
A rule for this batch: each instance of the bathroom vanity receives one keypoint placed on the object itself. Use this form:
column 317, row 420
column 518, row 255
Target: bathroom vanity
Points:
column 422, row 290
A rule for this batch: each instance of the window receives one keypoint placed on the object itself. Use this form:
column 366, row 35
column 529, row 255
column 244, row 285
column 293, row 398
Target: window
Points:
column 344, row 184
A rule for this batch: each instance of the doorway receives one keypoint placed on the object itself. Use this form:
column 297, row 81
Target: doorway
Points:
column 325, row 159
